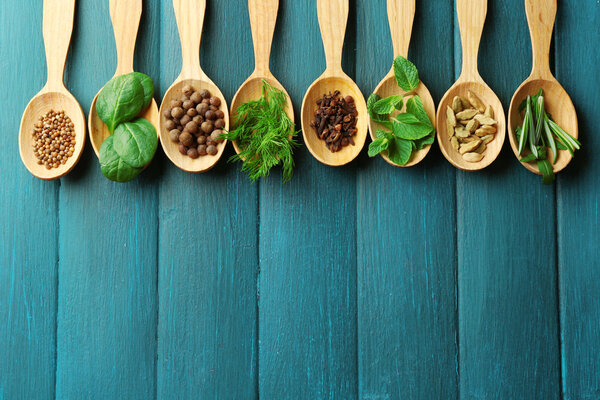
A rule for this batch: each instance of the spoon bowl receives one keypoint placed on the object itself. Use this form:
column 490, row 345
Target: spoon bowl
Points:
column 389, row 87
column 487, row 97
column 318, row 147
column 39, row 106
column 99, row 131
column 59, row 16
column 541, row 15
column 250, row 90
column 171, row 149
column 125, row 16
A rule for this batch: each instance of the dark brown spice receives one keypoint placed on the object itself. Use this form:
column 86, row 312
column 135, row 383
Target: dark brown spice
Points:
column 335, row 120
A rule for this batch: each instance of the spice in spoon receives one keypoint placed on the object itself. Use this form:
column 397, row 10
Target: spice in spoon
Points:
column 265, row 134
column 54, row 139
column 335, row 120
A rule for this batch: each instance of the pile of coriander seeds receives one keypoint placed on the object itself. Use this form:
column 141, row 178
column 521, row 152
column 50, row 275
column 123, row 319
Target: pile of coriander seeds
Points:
column 54, row 139
column 195, row 122
column 471, row 126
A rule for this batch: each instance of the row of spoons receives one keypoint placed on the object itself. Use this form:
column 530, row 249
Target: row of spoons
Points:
column 125, row 17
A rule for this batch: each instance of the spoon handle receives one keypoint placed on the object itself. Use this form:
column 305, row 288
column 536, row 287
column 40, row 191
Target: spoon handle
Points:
column 541, row 15
column 333, row 18
column 59, row 16
column 190, row 22
column 263, row 17
column 125, row 16
column 401, row 15
column 471, row 19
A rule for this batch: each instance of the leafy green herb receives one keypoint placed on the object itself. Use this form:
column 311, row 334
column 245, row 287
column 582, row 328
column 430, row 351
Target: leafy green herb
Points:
column 407, row 131
column 113, row 167
column 121, row 99
column 148, row 87
column 265, row 135
column 406, row 74
column 135, row 142
column 538, row 133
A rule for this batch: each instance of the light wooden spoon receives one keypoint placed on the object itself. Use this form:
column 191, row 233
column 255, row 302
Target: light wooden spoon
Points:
column 471, row 19
column 190, row 21
column 125, row 16
column 333, row 17
column 263, row 17
column 59, row 16
column 541, row 15
column 401, row 14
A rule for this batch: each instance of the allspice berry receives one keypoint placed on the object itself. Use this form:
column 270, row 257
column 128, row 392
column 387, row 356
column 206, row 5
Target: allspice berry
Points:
column 193, row 153
column 188, row 90
column 207, row 127
column 215, row 101
column 191, row 127
column 174, row 135
column 196, row 97
column 186, row 139
column 205, row 94
column 183, row 150
column 177, row 112
column 211, row 150
column 220, row 124
column 202, row 150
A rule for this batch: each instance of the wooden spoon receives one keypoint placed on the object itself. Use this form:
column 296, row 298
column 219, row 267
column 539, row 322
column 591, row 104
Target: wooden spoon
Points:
column 59, row 16
column 401, row 14
column 125, row 16
column 190, row 21
column 540, row 16
column 471, row 18
column 333, row 17
column 263, row 17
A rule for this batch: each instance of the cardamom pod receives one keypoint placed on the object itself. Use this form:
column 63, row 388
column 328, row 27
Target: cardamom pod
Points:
column 467, row 114
column 450, row 117
column 457, row 105
column 472, row 157
column 472, row 125
column 473, row 99
column 489, row 112
column 469, row 147
column 483, row 120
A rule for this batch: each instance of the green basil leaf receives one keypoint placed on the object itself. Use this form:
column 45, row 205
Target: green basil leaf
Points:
column 414, row 106
column 547, row 172
column 112, row 166
column 147, row 85
column 375, row 117
column 400, row 151
column 121, row 99
column 411, row 131
column 388, row 105
column 426, row 141
column 406, row 74
column 378, row 145
column 136, row 142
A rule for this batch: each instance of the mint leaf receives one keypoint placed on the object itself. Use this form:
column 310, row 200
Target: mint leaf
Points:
column 406, row 118
column 378, row 145
column 410, row 131
column 388, row 105
column 376, row 117
column 399, row 151
column 406, row 74
column 414, row 106
column 426, row 141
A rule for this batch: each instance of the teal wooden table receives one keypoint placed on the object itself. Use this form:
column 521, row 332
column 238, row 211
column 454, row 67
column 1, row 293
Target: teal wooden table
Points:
column 365, row 282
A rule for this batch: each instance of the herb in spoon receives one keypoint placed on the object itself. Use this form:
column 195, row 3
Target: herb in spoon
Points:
column 265, row 135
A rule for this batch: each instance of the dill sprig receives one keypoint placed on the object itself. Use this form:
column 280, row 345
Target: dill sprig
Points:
column 265, row 134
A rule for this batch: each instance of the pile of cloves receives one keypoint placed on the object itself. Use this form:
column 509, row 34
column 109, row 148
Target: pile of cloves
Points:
column 335, row 120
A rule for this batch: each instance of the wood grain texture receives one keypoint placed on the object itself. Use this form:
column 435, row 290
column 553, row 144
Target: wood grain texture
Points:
column 307, row 307
column 406, row 236
column 507, row 278
column 208, row 264
column 107, row 307
column 578, row 200
column 29, row 220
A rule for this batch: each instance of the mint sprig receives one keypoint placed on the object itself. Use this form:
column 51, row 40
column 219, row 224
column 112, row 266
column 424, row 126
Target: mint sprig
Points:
column 406, row 131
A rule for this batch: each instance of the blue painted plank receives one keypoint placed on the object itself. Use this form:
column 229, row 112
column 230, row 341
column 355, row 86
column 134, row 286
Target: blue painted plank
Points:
column 307, row 306
column 207, row 331
column 406, row 234
column 29, row 220
column 507, row 275
column 107, row 294
column 578, row 201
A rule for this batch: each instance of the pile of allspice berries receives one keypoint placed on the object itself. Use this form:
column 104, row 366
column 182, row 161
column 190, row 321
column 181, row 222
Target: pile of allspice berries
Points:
column 471, row 126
